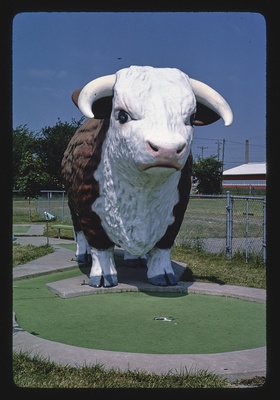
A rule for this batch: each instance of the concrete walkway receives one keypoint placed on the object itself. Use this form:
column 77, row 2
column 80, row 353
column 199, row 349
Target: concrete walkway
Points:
column 232, row 365
column 34, row 230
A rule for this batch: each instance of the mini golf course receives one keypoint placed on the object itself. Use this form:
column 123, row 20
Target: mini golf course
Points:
column 125, row 322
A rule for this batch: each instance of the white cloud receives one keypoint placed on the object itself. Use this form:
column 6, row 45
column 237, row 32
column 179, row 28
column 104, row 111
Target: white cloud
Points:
column 47, row 73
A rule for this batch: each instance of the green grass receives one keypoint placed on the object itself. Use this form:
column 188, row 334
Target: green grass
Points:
column 200, row 323
column 21, row 211
column 69, row 246
column 24, row 254
column 34, row 372
column 207, row 217
column 203, row 267
column 241, row 191
column 20, row 229
column 64, row 233
column 211, row 268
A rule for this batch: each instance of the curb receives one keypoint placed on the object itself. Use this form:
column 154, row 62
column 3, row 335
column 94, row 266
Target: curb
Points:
column 234, row 365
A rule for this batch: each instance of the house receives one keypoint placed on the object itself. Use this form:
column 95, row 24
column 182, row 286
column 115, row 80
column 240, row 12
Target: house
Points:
column 249, row 175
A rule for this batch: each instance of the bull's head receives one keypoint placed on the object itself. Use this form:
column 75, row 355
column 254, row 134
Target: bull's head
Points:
column 152, row 113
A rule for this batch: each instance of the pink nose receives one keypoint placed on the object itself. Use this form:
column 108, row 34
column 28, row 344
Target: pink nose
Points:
column 166, row 153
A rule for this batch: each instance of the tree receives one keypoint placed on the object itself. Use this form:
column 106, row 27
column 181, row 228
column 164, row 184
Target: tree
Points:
column 45, row 147
column 32, row 177
column 23, row 141
column 209, row 174
column 51, row 145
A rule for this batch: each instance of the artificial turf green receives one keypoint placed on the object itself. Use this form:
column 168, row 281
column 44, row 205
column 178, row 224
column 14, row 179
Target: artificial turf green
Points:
column 125, row 321
column 69, row 246
column 20, row 229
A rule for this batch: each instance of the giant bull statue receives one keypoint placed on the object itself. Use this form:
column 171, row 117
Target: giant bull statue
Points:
column 128, row 168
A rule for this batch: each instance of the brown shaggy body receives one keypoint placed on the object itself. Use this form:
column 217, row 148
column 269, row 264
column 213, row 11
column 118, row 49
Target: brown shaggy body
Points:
column 79, row 163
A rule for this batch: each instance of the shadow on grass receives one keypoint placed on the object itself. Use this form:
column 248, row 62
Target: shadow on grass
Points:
column 210, row 278
column 188, row 276
column 137, row 276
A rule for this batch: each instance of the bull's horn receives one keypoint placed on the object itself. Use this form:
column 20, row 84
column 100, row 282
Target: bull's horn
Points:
column 210, row 98
column 94, row 90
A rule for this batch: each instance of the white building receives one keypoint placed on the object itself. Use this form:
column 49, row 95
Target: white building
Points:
column 246, row 175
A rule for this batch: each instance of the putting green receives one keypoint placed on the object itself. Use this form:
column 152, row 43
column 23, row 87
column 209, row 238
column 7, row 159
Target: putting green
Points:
column 20, row 229
column 199, row 323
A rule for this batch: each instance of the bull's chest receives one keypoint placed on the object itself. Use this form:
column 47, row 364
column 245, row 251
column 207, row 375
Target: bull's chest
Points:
column 136, row 208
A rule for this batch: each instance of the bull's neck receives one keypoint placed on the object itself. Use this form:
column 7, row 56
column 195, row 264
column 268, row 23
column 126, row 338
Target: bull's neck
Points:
column 135, row 207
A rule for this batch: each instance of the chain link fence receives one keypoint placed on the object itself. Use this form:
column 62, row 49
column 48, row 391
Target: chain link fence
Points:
column 226, row 224
column 246, row 226
column 220, row 224
column 55, row 203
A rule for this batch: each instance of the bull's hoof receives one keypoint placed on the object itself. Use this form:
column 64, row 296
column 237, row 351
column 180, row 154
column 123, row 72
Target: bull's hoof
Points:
column 163, row 280
column 110, row 281
column 95, row 281
column 107, row 281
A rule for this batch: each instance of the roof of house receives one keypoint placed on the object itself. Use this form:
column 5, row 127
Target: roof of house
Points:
column 246, row 171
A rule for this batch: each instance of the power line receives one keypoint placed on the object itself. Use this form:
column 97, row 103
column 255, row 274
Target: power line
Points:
column 202, row 149
column 229, row 141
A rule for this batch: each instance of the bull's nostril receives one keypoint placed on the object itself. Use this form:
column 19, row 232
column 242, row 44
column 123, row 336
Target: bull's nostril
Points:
column 153, row 147
column 164, row 151
column 180, row 149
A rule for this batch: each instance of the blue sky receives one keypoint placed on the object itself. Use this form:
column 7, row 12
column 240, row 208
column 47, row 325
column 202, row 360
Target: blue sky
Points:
column 56, row 53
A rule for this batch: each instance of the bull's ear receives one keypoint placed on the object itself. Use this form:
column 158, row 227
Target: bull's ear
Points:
column 75, row 96
column 101, row 108
column 204, row 115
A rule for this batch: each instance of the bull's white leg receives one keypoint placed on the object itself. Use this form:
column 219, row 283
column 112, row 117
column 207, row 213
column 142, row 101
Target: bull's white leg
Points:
column 133, row 261
column 160, row 271
column 83, row 249
column 103, row 267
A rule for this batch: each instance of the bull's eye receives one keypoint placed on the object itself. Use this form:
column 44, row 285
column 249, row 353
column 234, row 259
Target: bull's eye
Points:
column 123, row 117
column 192, row 118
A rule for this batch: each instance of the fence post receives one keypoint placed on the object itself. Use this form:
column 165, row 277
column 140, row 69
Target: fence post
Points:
column 49, row 204
column 62, row 216
column 264, row 230
column 247, row 231
column 37, row 205
column 229, row 226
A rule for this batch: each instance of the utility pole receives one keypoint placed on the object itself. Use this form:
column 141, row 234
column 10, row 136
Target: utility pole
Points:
column 218, row 143
column 202, row 149
column 223, row 153
column 246, row 151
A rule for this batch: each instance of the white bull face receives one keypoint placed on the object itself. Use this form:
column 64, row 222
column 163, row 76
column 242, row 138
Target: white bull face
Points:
column 151, row 119
column 152, row 116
